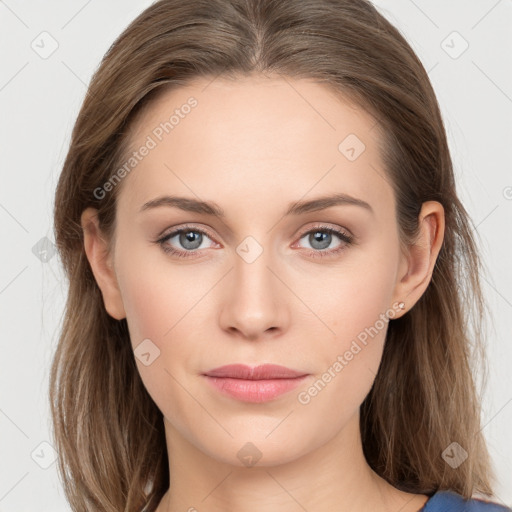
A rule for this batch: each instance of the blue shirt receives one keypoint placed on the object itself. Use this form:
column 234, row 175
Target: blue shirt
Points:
column 448, row 501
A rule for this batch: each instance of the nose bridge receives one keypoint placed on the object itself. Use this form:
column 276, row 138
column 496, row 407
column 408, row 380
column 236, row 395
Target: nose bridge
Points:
column 251, row 272
column 254, row 304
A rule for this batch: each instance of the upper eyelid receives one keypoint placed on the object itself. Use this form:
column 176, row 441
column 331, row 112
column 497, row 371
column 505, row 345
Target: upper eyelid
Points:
column 175, row 231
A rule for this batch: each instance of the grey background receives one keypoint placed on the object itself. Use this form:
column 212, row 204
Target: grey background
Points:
column 39, row 99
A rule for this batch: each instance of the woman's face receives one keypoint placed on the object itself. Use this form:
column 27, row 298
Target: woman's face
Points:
column 257, row 285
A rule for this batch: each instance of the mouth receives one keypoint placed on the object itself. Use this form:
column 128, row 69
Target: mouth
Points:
column 259, row 384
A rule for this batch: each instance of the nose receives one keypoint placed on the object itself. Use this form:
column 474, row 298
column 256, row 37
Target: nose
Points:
column 254, row 304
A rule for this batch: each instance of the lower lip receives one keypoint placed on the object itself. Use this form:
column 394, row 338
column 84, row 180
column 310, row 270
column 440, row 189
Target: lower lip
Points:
column 256, row 391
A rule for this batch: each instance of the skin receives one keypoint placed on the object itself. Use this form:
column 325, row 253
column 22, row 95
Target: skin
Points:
column 254, row 146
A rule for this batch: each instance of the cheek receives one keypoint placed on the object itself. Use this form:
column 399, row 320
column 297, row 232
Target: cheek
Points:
column 149, row 312
column 347, row 361
column 156, row 294
column 156, row 308
column 351, row 296
column 163, row 302
column 354, row 306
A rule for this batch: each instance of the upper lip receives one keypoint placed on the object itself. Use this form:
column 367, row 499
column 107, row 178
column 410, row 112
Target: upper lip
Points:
column 264, row 371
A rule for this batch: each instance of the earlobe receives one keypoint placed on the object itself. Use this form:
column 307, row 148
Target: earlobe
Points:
column 418, row 265
column 100, row 259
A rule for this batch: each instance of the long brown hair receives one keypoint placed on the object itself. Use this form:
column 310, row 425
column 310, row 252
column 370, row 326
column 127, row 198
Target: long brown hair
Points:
column 108, row 431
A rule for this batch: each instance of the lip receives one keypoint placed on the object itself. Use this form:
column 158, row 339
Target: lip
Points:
column 259, row 384
column 264, row 371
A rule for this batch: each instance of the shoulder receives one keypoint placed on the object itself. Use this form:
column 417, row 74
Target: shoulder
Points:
column 448, row 501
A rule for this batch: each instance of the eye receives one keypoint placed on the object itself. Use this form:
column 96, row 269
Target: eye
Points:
column 189, row 238
column 321, row 237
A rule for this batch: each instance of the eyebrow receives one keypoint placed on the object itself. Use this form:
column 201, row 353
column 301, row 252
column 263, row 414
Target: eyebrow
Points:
column 297, row 208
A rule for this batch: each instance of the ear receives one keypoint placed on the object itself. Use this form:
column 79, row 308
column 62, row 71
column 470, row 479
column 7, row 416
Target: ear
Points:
column 100, row 259
column 417, row 264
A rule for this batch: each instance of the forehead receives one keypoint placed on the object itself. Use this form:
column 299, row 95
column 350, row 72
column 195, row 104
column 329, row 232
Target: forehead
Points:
column 254, row 137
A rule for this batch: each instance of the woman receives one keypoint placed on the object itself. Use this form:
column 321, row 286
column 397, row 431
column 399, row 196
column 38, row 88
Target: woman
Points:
column 271, row 274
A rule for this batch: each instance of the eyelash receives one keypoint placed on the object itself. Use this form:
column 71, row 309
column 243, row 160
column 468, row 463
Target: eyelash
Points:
column 344, row 237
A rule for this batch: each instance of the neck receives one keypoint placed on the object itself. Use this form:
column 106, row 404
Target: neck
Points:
column 335, row 476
